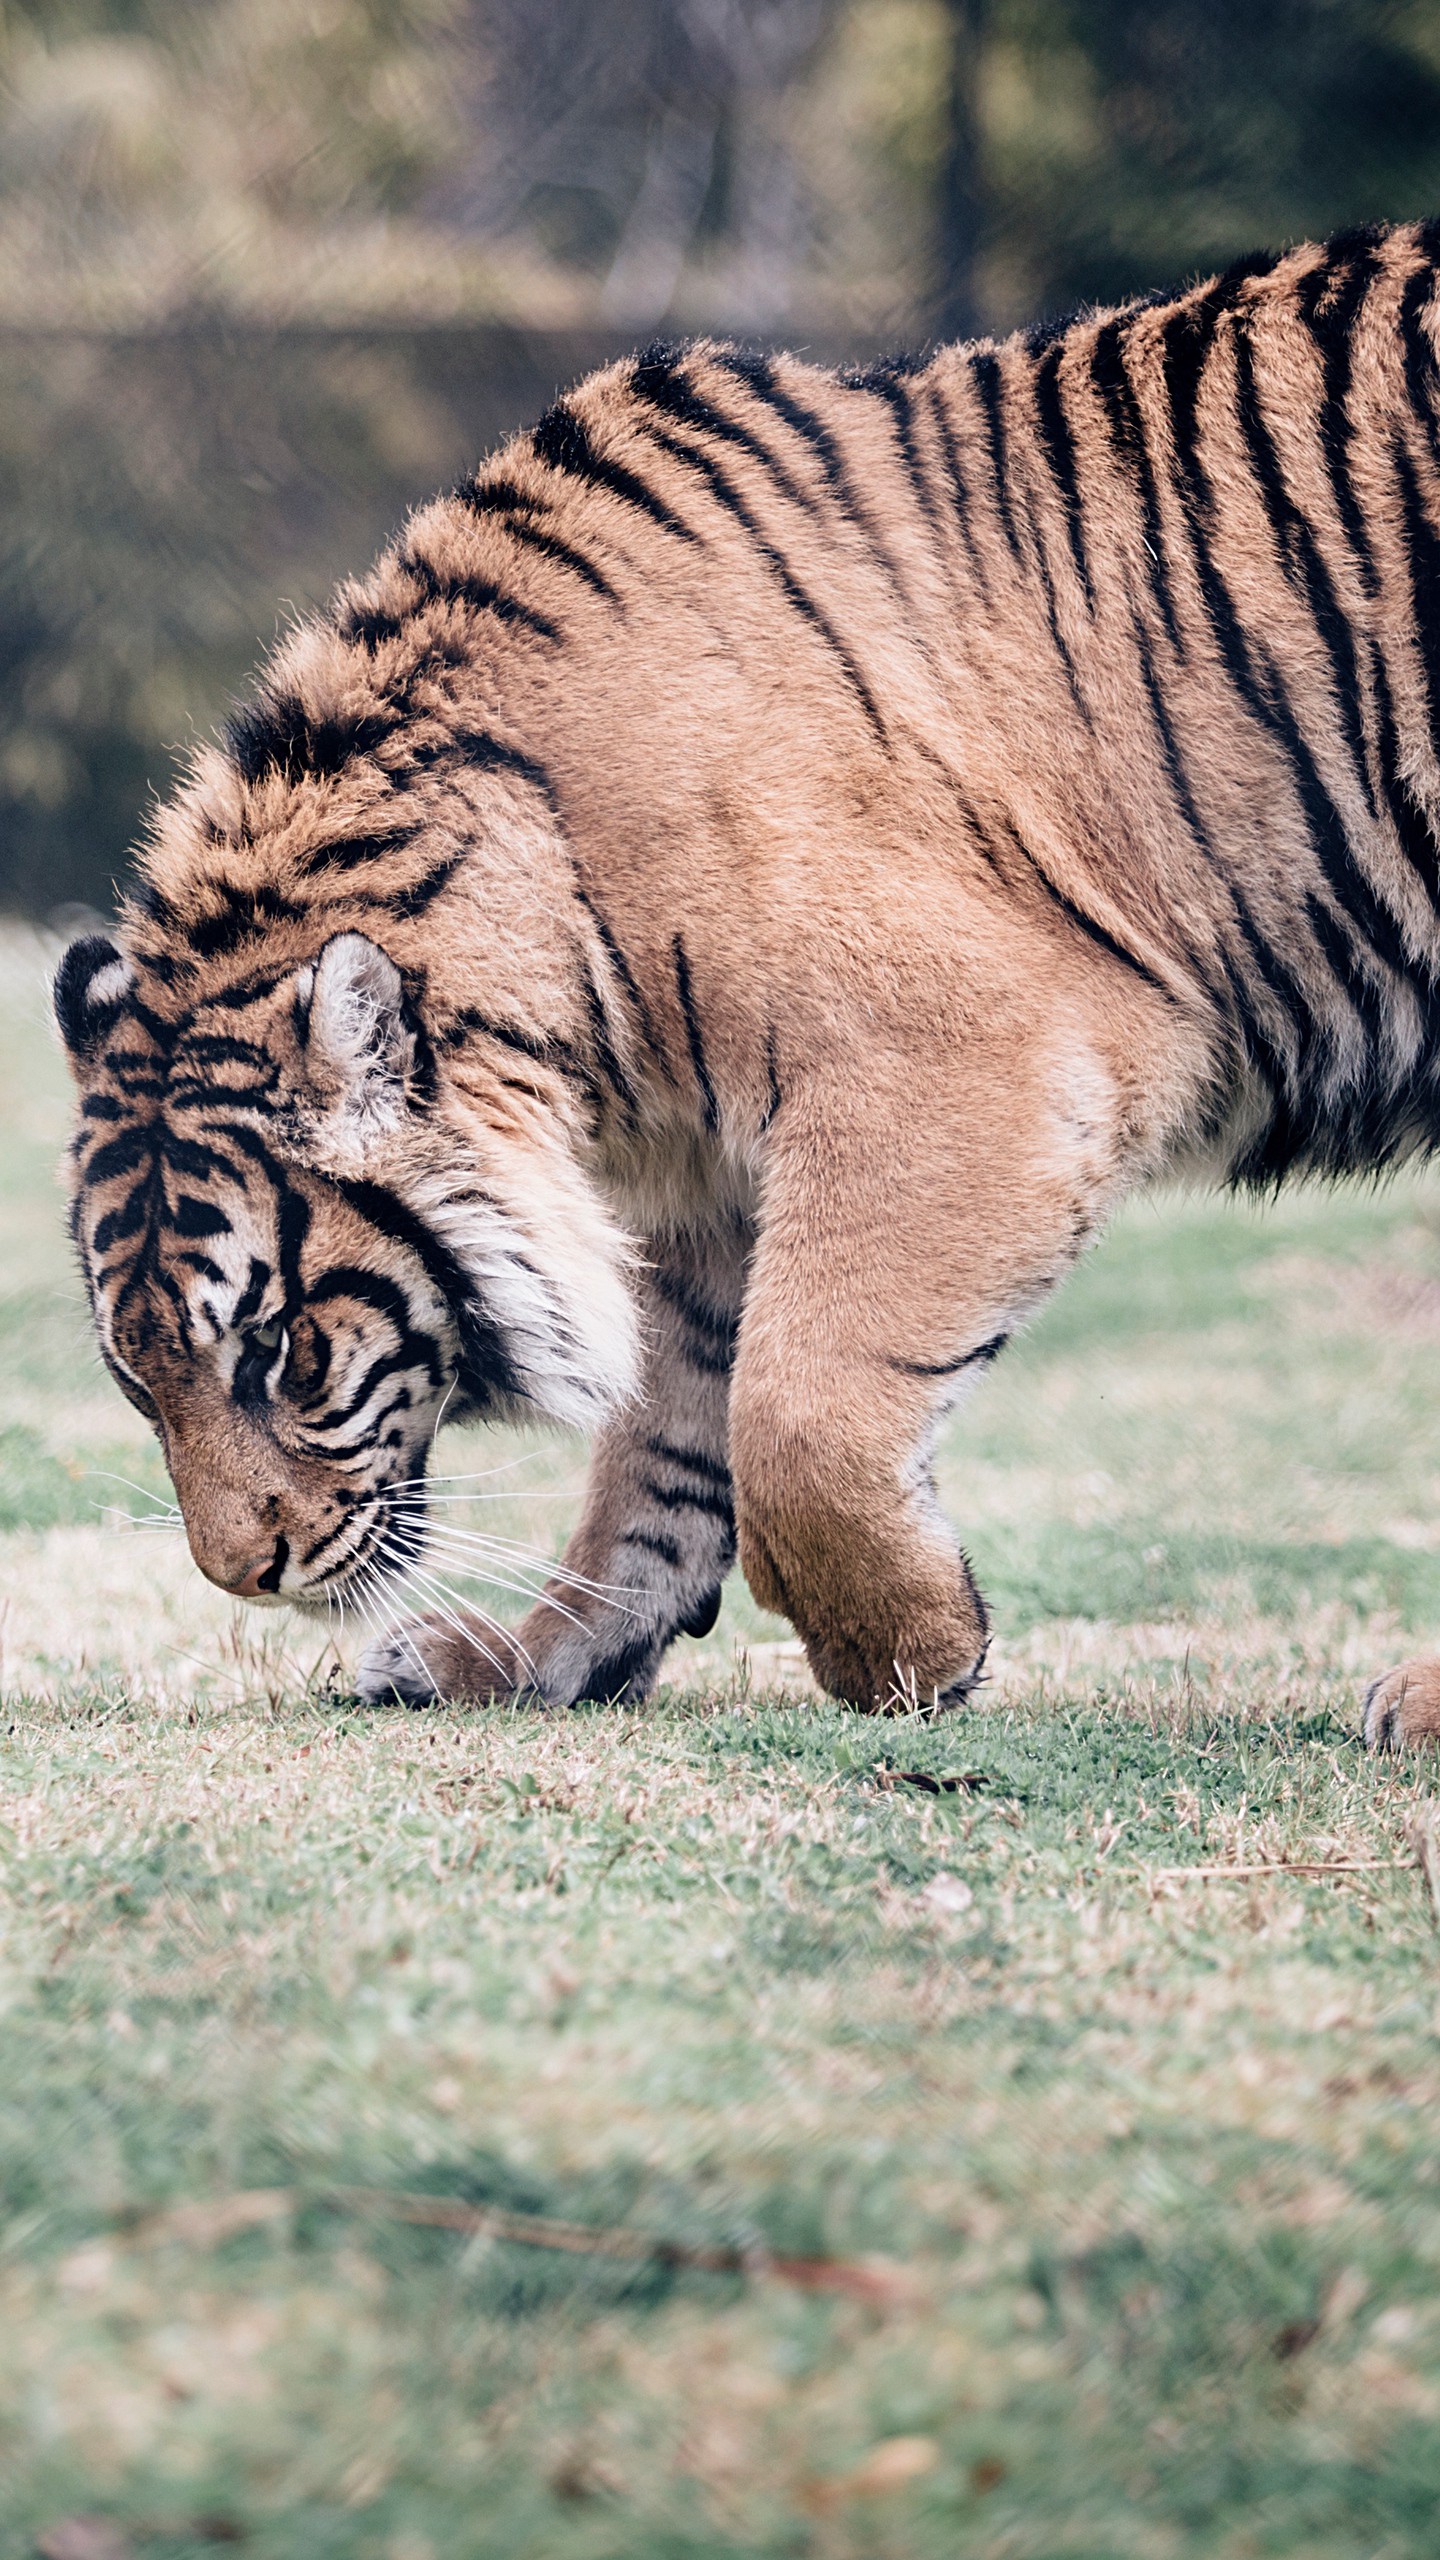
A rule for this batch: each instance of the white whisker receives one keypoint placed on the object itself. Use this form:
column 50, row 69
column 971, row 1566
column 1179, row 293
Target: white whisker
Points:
column 103, row 1475
column 477, row 1571
column 514, row 1551
column 479, row 1475
column 439, row 1598
column 408, row 1568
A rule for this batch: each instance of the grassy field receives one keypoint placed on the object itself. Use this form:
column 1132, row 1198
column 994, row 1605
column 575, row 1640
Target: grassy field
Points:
column 1124, row 2173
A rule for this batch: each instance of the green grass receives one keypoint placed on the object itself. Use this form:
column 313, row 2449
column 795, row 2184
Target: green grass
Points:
column 1155, row 2158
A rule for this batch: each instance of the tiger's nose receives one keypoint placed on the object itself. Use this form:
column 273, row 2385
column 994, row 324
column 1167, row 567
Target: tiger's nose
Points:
column 262, row 1574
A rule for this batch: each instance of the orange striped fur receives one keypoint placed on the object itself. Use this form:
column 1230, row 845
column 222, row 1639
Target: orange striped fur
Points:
column 704, row 934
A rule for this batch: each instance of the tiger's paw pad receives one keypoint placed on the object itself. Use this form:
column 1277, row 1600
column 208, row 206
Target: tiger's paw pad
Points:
column 424, row 1662
column 1403, row 1706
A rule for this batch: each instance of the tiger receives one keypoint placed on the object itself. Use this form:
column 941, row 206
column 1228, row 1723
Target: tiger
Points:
column 698, row 942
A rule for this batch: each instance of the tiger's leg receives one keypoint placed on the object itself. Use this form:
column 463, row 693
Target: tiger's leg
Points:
column 886, row 1275
column 1403, row 1706
column 657, row 1535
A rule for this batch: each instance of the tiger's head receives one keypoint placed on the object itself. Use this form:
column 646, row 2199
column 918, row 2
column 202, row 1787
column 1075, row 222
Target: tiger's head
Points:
column 302, row 1245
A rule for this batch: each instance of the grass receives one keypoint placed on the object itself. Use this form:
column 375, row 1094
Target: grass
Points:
column 1151, row 2156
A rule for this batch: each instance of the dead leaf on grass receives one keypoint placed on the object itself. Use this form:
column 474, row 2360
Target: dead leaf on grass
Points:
column 84, row 2538
column 947, row 1893
column 890, row 2465
column 202, row 2225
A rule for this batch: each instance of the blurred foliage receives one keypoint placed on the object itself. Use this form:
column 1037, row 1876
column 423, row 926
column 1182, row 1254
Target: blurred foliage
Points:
column 269, row 269
column 753, row 163
column 163, row 503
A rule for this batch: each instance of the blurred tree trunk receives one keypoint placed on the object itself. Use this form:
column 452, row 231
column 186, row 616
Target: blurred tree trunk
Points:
column 960, row 198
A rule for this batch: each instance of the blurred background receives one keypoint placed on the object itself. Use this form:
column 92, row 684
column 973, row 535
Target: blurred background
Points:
column 270, row 270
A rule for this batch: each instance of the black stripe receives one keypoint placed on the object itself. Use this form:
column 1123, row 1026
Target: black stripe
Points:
column 368, row 626
column 118, row 1225
column 713, row 1506
column 607, row 1059
column 711, row 1108
column 1331, row 303
column 1058, row 442
column 697, row 1462
column 1422, row 373
column 728, row 496
column 712, row 1324
column 1185, row 344
column 561, row 440
column 276, row 734
column 193, row 1093
column 889, row 381
column 252, row 987
column 1422, row 559
column 1179, row 780
column 546, row 1048
column 271, row 1578
column 963, row 495
column 163, row 1034
column 407, row 904
column 125, row 1154
column 370, row 1288
column 1110, row 375
column 221, row 1048
column 659, row 379
column 255, row 1287
column 195, row 1219
column 985, row 373
column 628, row 982
column 986, row 1352
column 1052, row 620
column 153, row 903
column 1087, row 924
column 774, row 1096
column 446, row 586
column 347, row 853
column 486, row 1367
column 247, row 911
column 549, row 545
column 669, row 1550
column 1253, row 675
column 482, row 751
column 488, row 497
column 1411, row 823
column 1300, row 556
column 1174, row 761
column 1371, row 1001
column 758, row 372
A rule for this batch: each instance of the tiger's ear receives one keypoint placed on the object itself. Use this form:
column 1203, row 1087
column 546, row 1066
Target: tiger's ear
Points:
column 91, row 985
column 357, row 1046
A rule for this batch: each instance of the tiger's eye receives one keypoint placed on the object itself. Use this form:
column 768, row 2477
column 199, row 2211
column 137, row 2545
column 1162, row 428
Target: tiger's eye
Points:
column 268, row 1337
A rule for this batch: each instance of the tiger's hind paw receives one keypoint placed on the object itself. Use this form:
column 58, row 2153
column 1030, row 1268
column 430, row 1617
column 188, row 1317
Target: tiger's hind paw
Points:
column 1403, row 1706
column 424, row 1662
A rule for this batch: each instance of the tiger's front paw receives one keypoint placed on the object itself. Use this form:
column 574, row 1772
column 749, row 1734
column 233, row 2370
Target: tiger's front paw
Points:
column 424, row 1660
column 1403, row 1706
